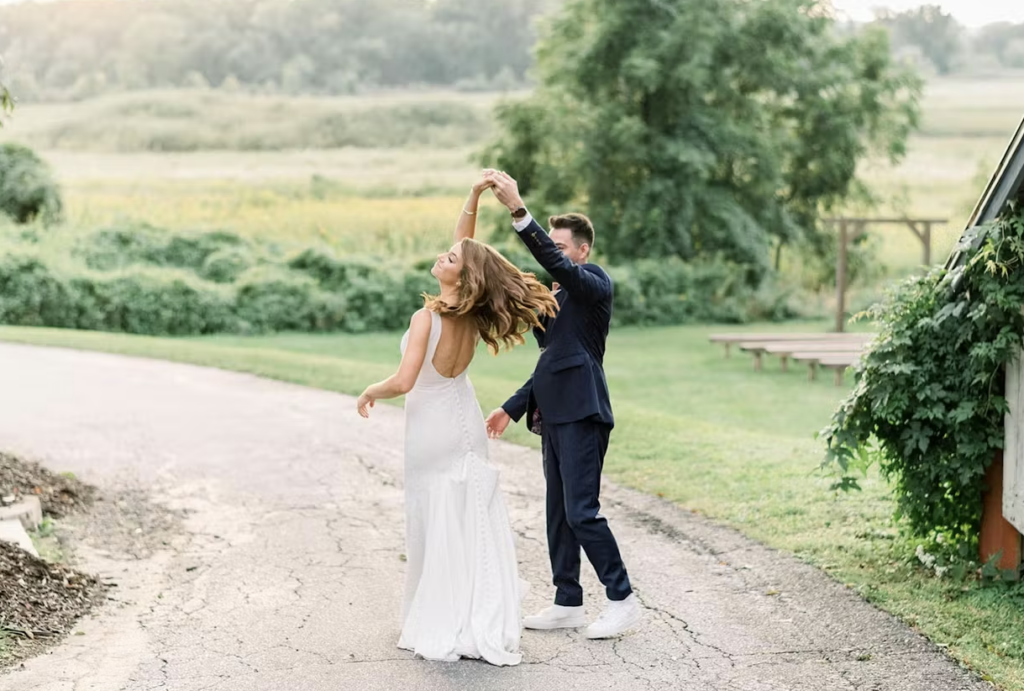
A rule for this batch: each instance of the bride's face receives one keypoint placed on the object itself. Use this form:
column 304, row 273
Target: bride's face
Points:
column 448, row 266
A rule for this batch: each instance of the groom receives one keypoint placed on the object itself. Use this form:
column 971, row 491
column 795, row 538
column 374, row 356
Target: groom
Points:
column 567, row 397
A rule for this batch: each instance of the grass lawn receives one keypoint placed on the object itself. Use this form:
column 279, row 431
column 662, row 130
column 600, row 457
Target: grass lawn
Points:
column 706, row 432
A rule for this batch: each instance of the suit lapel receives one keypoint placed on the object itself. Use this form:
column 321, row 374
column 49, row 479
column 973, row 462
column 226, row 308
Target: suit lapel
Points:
column 547, row 322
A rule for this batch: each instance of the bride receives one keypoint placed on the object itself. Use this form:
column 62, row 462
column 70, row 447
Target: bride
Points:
column 463, row 591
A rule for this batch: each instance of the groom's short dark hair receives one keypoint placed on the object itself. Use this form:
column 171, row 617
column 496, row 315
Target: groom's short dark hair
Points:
column 581, row 227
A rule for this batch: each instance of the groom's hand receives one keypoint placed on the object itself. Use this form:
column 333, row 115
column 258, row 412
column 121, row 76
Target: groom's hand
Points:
column 497, row 422
column 505, row 188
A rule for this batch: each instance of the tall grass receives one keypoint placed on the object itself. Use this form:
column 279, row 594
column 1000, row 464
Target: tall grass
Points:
column 185, row 120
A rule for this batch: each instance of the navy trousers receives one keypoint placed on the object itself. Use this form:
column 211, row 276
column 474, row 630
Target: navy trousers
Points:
column 573, row 460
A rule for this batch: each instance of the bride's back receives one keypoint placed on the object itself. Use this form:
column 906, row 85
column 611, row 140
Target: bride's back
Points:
column 455, row 347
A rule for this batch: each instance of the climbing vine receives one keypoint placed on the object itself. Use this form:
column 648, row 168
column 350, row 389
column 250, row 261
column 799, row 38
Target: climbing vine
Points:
column 928, row 403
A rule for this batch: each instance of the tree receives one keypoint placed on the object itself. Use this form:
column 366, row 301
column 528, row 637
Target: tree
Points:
column 6, row 101
column 936, row 33
column 1003, row 40
column 28, row 190
column 375, row 43
column 702, row 127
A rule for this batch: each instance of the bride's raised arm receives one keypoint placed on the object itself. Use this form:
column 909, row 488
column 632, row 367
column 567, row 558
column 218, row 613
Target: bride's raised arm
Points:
column 465, row 227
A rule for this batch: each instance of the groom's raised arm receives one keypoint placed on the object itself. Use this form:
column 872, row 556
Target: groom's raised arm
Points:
column 582, row 284
column 588, row 286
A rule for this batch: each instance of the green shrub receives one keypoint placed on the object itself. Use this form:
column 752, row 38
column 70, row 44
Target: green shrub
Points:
column 144, row 280
column 114, row 248
column 226, row 265
column 381, row 301
column 151, row 301
column 276, row 300
column 331, row 271
column 378, row 295
column 651, row 292
column 28, row 191
column 30, row 295
column 141, row 301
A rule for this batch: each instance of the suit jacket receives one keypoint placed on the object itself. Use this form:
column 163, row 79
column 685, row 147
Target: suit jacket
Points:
column 568, row 383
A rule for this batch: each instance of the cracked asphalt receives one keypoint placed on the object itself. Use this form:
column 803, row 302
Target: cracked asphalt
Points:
column 287, row 570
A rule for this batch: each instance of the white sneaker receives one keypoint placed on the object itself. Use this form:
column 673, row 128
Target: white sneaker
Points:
column 617, row 618
column 556, row 617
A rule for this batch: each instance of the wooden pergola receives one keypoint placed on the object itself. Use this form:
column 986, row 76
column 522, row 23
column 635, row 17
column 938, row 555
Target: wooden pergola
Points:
column 852, row 228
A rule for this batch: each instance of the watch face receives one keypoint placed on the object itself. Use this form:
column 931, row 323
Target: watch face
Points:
column 519, row 213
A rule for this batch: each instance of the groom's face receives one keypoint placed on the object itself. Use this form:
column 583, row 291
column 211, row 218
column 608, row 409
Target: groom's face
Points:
column 562, row 237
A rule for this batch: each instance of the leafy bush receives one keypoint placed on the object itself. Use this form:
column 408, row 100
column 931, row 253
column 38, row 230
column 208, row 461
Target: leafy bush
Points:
column 276, row 300
column 141, row 301
column 331, row 271
column 28, row 190
column 144, row 280
column 113, row 248
column 226, row 265
column 928, row 403
column 30, row 295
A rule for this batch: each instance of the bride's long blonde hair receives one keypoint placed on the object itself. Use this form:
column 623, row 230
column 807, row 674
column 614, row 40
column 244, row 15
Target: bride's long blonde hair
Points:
column 503, row 301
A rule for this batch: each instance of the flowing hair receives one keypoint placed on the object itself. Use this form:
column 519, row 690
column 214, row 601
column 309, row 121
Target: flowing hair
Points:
column 503, row 301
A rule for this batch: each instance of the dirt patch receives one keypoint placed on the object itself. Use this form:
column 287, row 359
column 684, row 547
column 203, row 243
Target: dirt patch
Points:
column 59, row 494
column 42, row 599
column 124, row 524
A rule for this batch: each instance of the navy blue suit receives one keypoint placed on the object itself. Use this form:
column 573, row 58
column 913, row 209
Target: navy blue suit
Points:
column 569, row 390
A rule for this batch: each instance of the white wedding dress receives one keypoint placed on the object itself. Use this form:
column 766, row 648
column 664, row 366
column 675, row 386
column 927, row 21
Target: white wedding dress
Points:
column 463, row 592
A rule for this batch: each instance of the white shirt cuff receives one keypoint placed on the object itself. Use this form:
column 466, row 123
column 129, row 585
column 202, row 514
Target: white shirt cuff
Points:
column 523, row 222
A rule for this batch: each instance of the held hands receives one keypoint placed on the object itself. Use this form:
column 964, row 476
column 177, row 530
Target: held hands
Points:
column 481, row 186
column 496, row 422
column 505, row 188
column 363, row 403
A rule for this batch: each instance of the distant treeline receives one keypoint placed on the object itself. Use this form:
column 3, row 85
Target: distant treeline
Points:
column 80, row 48
column 936, row 41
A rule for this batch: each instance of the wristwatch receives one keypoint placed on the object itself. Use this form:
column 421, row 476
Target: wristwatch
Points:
column 519, row 213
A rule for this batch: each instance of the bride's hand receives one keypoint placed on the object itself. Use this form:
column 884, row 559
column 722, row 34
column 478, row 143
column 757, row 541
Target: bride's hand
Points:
column 363, row 403
column 481, row 186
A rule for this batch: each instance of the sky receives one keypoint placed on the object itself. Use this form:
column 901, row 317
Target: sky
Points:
column 970, row 13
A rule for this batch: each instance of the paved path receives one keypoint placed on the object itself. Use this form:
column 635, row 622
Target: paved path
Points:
column 288, row 572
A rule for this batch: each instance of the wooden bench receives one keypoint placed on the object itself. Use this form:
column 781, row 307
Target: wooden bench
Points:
column 785, row 348
column 729, row 339
column 788, row 349
column 836, row 361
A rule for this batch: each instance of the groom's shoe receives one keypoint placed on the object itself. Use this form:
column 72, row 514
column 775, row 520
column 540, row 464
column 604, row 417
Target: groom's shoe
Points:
column 556, row 617
column 617, row 618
